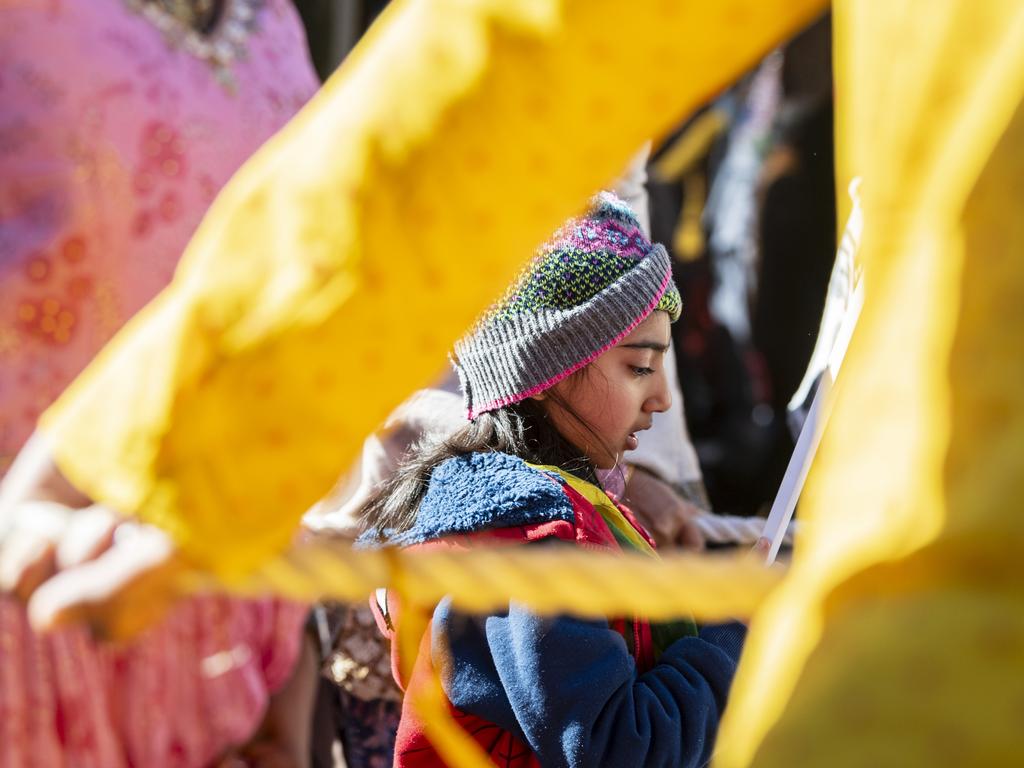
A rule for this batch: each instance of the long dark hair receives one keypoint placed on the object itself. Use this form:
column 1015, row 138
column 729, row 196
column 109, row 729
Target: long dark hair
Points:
column 522, row 429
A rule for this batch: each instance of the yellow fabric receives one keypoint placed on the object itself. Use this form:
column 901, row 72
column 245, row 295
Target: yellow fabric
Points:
column 899, row 637
column 337, row 268
column 679, row 163
column 605, row 507
column 691, row 147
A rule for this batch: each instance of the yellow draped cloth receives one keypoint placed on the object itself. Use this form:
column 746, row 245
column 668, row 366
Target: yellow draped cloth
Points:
column 337, row 268
column 898, row 638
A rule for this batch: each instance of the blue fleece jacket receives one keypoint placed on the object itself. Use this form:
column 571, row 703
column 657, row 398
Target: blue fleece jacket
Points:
column 568, row 688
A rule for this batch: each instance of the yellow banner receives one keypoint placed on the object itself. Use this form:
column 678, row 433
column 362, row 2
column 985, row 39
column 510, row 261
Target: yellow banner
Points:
column 899, row 637
column 335, row 271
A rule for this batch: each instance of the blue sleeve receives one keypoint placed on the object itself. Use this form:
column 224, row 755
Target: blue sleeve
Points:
column 570, row 689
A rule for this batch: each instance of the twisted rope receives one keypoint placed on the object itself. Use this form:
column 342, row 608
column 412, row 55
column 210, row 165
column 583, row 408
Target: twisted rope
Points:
column 548, row 580
column 741, row 531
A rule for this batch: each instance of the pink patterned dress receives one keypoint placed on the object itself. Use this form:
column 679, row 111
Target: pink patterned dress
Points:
column 118, row 126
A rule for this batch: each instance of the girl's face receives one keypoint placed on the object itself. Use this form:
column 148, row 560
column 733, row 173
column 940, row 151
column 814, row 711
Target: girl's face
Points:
column 616, row 395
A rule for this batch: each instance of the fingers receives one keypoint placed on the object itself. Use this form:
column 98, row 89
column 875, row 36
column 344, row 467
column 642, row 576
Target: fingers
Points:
column 26, row 562
column 125, row 589
column 65, row 565
column 74, row 563
column 89, row 533
column 689, row 536
column 47, row 537
column 28, row 547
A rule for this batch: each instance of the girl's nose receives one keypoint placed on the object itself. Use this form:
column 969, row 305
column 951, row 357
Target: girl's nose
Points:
column 660, row 398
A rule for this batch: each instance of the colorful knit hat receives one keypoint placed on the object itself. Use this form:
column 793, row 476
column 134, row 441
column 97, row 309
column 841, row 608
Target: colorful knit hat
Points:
column 588, row 287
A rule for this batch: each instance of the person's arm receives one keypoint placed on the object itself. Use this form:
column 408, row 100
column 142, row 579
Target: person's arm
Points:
column 570, row 689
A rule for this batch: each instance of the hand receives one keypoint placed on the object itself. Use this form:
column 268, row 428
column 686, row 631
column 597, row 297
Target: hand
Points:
column 665, row 514
column 72, row 561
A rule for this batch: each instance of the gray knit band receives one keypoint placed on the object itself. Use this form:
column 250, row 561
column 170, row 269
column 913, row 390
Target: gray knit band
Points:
column 511, row 357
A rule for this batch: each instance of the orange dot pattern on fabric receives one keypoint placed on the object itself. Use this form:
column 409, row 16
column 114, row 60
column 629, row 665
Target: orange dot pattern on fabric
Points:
column 48, row 309
column 49, row 319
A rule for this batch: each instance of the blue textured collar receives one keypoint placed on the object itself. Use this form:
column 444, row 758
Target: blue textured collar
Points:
column 485, row 490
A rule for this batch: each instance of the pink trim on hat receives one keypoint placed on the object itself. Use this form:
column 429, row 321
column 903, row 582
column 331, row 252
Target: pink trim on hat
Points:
column 472, row 413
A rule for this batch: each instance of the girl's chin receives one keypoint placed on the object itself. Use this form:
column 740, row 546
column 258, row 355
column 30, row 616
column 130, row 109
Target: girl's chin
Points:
column 606, row 462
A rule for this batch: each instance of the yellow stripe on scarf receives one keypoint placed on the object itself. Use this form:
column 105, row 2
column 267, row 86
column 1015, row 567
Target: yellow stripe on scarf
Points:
column 605, row 506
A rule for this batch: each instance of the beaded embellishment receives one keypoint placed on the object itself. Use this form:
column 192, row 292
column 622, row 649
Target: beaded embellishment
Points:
column 213, row 31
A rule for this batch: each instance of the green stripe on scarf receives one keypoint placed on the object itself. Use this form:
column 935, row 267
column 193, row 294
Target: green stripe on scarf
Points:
column 664, row 633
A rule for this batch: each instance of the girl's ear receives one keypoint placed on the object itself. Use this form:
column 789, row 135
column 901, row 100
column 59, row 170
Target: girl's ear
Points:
column 539, row 397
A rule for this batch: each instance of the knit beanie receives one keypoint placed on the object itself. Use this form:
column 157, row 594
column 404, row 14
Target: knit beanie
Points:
column 588, row 287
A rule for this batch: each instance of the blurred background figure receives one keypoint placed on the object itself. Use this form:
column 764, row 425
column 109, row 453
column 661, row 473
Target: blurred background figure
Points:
column 120, row 120
column 744, row 195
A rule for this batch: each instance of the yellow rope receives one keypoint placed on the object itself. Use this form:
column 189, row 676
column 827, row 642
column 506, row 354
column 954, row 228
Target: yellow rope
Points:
column 548, row 580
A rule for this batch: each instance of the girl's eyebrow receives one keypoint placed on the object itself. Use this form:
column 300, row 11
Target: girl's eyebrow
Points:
column 646, row 345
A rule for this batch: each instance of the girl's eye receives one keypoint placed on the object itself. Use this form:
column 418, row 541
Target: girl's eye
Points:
column 642, row 371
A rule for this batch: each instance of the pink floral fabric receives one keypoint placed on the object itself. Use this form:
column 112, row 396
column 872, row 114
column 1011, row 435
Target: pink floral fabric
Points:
column 113, row 143
column 176, row 697
column 114, row 140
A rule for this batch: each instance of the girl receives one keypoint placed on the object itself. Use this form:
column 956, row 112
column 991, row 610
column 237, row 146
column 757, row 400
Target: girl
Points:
column 559, row 378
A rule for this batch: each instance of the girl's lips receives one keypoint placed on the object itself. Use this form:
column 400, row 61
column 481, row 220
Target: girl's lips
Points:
column 632, row 442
